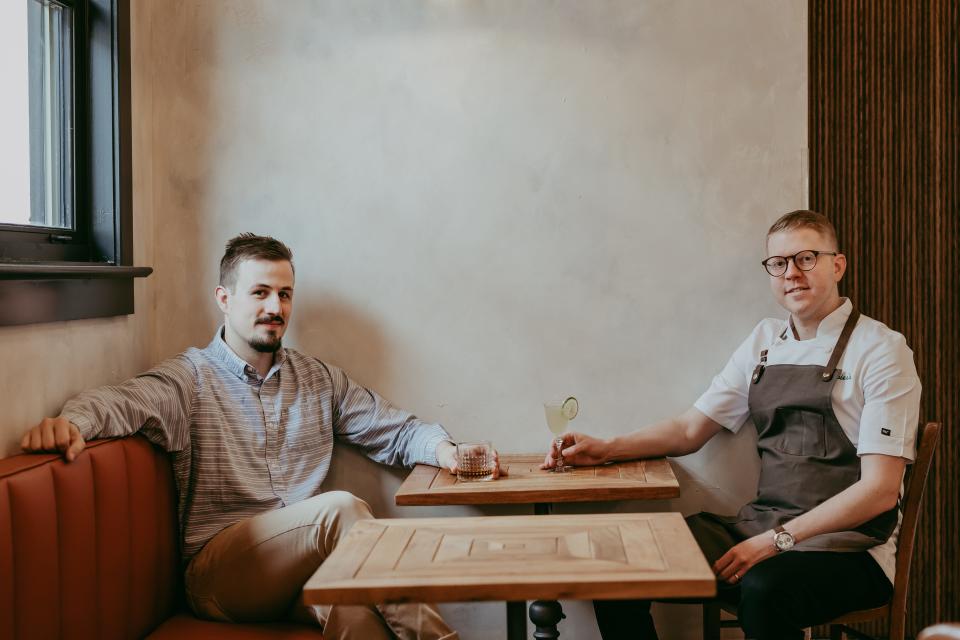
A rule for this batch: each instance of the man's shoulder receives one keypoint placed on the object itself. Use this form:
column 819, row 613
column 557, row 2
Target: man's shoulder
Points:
column 879, row 345
column 192, row 356
column 872, row 333
column 303, row 362
column 299, row 358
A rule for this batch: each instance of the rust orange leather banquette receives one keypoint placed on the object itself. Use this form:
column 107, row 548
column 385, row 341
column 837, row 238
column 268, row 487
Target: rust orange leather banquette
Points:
column 88, row 549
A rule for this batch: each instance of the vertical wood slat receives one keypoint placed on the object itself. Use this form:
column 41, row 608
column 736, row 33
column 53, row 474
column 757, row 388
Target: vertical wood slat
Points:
column 884, row 160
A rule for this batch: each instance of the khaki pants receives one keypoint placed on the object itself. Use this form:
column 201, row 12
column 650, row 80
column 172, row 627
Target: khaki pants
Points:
column 254, row 570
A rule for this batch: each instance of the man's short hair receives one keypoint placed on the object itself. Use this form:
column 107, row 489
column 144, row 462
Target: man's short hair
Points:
column 806, row 219
column 248, row 246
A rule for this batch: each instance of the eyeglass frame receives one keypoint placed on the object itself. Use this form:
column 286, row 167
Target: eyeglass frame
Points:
column 793, row 258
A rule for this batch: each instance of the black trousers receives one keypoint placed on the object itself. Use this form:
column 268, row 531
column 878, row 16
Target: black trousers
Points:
column 776, row 599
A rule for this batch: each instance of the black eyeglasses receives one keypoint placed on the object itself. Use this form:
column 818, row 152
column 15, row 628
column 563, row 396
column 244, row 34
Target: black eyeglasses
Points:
column 805, row 261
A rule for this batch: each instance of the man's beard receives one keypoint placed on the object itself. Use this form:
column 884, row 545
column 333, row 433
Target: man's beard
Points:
column 266, row 345
column 270, row 344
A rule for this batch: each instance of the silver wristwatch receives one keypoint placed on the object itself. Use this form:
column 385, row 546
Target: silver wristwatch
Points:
column 783, row 540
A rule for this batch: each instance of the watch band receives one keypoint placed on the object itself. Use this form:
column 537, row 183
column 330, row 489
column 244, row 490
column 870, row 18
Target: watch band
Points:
column 789, row 540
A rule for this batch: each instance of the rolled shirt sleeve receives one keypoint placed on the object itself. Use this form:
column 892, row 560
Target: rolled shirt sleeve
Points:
column 891, row 397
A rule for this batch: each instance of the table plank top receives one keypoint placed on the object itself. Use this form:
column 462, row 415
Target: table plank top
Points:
column 585, row 556
column 527, row 483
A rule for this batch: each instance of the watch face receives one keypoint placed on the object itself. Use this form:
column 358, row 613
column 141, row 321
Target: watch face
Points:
column 783, row 541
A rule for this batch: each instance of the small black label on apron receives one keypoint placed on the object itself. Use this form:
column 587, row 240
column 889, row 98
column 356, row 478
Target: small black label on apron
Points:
column 885, row 431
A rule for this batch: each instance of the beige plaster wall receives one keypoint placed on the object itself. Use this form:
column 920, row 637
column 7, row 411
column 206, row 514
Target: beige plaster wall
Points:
column 489, row 202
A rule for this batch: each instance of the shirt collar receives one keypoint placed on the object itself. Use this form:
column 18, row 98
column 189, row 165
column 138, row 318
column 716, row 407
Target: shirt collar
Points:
column 829, row 327
column 239, row 367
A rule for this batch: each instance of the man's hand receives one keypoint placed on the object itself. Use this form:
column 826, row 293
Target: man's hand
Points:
column 447, row 459
column 54, row 434
column 579, row 449
column 734, row 564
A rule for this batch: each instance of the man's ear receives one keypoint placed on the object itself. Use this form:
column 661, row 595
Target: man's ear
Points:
column 839, row 267
column 222, row 294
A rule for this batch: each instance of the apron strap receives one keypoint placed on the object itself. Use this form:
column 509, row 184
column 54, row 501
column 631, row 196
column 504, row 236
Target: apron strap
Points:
column 758, row 370
column 796, row 336
column 831, row 368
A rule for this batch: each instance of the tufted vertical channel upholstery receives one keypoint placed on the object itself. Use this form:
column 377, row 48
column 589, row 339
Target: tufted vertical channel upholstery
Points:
column 88, row 549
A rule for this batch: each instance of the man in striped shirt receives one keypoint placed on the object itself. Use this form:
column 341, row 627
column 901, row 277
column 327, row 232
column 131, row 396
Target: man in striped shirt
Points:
column 250, row 427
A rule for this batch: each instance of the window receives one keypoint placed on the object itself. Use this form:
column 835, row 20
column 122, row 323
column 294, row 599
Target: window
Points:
column 65, row 214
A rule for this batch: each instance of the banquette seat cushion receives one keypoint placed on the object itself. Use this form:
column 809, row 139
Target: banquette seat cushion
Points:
column 88, row 549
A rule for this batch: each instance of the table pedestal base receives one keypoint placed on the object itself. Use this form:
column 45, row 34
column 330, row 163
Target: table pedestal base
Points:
column 545, row 614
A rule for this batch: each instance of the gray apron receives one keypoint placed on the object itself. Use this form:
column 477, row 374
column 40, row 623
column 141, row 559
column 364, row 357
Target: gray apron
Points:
column 805, row 457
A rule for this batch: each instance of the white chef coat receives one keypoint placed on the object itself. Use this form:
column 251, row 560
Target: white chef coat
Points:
column 876, row 396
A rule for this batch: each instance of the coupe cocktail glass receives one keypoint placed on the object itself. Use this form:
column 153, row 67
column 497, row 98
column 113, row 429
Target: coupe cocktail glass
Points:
column 559, row 415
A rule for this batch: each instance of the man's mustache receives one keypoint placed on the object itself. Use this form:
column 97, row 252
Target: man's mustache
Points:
column 270, row 320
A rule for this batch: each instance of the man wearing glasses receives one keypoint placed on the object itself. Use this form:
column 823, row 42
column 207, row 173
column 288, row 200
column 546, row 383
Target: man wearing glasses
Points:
column 835, row 398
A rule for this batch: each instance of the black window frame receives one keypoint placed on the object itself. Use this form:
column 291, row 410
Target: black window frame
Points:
column 50, row 274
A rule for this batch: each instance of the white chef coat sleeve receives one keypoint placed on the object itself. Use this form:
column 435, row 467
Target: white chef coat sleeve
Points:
column 891, row 397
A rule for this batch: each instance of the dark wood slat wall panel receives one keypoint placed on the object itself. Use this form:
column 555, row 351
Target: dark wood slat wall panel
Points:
column 883, row 126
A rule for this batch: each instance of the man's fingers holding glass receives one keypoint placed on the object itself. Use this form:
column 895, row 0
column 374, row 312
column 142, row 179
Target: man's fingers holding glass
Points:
column 550, row 460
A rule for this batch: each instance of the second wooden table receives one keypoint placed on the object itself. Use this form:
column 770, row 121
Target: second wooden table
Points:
column 527, row 483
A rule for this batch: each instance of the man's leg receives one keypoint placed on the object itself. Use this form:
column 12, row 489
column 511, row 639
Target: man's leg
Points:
column 619, row 619
column 255, row 569
column 790, row 591
column 342, row 622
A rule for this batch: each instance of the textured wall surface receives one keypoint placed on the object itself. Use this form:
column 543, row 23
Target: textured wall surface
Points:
column 885, row 164
column 490, row 203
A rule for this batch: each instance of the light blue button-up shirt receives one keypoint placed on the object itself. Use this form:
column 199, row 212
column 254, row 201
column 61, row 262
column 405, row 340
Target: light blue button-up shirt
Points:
column 242, row 444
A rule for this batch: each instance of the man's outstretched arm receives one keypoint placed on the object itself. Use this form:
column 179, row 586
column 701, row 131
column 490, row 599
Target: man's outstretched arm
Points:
column 159, row 402
column 385, row 433
column 677, row 436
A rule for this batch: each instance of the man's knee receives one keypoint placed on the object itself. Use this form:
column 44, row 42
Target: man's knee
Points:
column 759, row 587
column 698, row 525
column 345, row 504
column 336, row 512
column 765, row 599
column 712, row 537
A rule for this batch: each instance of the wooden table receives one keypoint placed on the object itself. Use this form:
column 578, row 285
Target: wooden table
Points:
column 527, row 483
column 513, row 558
